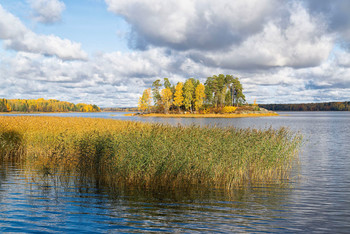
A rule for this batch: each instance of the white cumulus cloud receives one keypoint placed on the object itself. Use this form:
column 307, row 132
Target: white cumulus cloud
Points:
column 18, row 37
column 47, row 11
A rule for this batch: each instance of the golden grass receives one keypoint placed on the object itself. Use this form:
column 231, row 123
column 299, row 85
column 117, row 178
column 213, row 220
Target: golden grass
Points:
column 189, row 115
column 144, row 154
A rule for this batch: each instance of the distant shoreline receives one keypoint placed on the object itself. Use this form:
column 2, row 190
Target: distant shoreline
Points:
column 322, row 106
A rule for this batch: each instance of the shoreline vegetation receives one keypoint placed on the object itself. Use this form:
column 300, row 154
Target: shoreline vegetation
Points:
column 148, row 155
column 190, row 115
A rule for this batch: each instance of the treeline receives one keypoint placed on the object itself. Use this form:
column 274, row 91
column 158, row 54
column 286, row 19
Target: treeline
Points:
column 218, row 91
column 325, row 106
column 42, row 105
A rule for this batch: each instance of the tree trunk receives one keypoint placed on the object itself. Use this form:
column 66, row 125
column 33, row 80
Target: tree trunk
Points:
column 232, row 96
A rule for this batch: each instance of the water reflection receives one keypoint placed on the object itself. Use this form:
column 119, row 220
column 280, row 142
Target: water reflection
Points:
column 53, row 203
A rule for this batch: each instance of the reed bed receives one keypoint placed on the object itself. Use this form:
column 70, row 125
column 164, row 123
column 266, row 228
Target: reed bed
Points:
column 149, row 155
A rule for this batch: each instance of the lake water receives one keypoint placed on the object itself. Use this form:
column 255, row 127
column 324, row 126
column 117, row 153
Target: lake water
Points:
column 317, row 200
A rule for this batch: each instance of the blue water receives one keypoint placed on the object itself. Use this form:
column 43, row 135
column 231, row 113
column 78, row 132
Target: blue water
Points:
column 317, row 199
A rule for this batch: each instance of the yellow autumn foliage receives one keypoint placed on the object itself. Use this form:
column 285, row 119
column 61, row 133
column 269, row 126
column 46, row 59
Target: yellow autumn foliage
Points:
column 229, row 109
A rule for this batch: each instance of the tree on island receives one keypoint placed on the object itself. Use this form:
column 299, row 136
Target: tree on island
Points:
column 188, row 90
column 156, row 94
column 217, row 92
column 199, row 97
column 145, row 100
column 178, row 96
column 166, row 96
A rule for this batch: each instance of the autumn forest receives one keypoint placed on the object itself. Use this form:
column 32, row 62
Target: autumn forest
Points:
column 42, row 105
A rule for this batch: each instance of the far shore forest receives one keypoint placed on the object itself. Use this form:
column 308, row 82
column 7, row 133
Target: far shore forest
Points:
column 219, row 94
column 324, row 106
column 42, row 105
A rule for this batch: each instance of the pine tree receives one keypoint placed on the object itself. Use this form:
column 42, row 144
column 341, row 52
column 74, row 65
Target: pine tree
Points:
column 156, row 95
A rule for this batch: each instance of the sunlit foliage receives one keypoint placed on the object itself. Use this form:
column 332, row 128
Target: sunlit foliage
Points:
column 229, row 109
column 178, row 96
column 166, row 96
column 188, row 91
column 145, row 101
column 199, row 96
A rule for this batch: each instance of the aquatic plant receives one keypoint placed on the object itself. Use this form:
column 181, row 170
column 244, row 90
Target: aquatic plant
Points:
column 151, row 155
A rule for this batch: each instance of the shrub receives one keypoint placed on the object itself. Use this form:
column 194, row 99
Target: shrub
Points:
column 229, row 109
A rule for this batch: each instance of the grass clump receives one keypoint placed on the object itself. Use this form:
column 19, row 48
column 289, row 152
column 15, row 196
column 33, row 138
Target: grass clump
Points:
column 150, row 155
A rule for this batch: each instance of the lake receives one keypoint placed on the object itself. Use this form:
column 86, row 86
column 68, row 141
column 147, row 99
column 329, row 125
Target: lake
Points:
column 317, row 199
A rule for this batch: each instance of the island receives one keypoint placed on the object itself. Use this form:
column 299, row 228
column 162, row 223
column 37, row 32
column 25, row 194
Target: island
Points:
column 221, row 96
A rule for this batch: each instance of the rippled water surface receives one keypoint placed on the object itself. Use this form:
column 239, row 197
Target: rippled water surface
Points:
column 316, row 200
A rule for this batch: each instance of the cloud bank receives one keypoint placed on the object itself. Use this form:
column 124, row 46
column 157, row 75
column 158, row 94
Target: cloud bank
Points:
column 192, row 24
column 231, row 34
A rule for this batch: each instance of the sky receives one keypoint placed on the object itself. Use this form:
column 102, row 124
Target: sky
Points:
column 108, row 52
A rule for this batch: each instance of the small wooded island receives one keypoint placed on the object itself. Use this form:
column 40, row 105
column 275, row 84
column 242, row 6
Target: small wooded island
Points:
column 221, row 96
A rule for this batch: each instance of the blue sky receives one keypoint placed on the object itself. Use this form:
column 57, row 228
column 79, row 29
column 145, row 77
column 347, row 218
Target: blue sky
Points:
column 108, row 52
column 88, row 22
